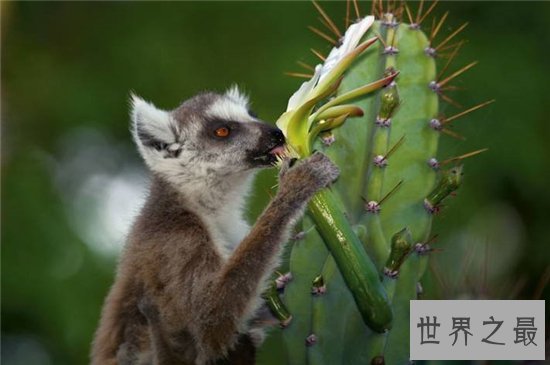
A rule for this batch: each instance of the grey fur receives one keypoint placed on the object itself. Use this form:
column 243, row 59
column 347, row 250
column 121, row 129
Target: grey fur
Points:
column 189, row 283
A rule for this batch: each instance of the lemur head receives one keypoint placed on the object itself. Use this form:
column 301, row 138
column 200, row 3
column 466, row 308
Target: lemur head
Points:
column 209, row 134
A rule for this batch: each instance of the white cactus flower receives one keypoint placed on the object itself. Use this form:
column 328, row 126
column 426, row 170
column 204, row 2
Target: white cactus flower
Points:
column 299, row 123
column 349, row 42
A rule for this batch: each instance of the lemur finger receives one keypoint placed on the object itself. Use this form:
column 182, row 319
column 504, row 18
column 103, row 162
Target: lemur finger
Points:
column 316, row 157
column 286, row 165
column 325, row 169
column 333, row 172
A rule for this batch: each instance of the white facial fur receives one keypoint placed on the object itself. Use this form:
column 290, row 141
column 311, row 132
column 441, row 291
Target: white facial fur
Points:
column 233, row 106
column 214, row 175
column 155, row 121
column 182, row 139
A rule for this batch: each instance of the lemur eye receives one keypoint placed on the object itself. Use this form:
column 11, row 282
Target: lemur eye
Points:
column 222, row 132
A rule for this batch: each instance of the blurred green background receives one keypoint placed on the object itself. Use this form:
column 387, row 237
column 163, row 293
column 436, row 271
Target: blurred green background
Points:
column 72, row 180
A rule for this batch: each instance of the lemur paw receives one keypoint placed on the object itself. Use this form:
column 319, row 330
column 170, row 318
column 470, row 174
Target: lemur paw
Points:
column 323, row 169
column 313, row 173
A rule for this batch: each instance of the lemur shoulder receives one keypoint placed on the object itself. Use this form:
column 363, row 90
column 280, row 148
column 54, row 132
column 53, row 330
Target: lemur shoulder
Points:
column 190, row 278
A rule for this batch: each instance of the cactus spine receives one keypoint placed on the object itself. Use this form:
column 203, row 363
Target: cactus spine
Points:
column 364, row 250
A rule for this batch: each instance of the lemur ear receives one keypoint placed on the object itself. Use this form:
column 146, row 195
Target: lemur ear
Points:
column 238, row 96
column 151, row 126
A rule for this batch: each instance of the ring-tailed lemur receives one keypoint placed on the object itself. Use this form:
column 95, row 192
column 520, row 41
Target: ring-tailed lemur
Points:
column 190, row 279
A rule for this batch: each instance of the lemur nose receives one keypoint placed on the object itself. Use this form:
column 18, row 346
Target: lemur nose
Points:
column 277, row 136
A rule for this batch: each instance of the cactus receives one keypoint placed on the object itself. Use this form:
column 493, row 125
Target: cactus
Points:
column 364, row 242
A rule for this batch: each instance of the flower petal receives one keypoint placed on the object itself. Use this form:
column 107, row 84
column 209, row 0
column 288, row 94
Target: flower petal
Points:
column 302, row 93
column 351, row 39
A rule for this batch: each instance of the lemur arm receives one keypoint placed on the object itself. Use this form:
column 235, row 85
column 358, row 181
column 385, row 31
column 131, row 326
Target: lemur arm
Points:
column 235, row 290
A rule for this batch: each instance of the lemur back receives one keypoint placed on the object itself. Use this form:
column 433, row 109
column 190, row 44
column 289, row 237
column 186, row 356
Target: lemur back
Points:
column 190, row 278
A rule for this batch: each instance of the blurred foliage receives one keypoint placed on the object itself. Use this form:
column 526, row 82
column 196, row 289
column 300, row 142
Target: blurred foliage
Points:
column 68, row 67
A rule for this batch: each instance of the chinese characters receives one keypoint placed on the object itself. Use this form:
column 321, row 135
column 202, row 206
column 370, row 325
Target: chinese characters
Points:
column 525, row 330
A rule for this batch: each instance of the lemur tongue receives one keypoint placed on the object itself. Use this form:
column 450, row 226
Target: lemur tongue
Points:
column 279, row 151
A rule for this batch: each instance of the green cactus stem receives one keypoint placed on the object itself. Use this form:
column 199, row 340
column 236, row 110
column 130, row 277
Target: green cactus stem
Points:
column 389, row 101
column 450, row 181
column 401, row 247
column 276, row 305
column 358, row 271
column 354, row 276
column 318, row 286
